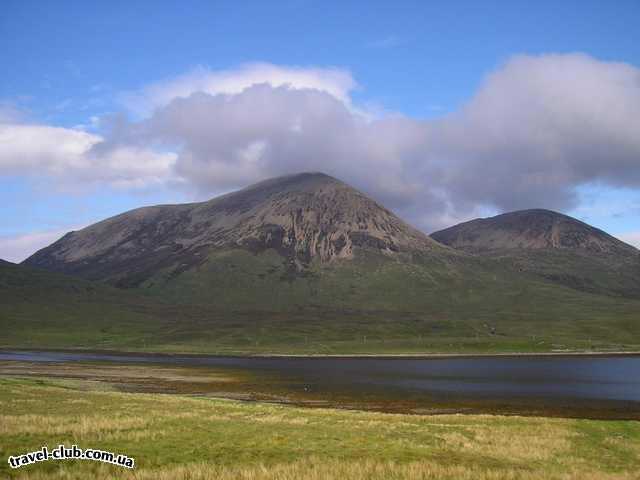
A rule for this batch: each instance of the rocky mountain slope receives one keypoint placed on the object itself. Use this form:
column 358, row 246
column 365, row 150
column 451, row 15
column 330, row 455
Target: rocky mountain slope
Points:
column 555, row 246
column 309, row 217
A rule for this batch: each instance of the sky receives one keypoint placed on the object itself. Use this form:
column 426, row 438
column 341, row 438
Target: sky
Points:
column 441, row 111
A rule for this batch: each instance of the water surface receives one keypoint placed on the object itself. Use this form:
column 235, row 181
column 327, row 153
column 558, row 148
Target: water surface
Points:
column 581, row 386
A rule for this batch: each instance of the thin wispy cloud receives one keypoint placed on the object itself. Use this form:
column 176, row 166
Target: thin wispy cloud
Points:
column 16, row 248
column 11, row 113
column 389, row 41
column 632, row 238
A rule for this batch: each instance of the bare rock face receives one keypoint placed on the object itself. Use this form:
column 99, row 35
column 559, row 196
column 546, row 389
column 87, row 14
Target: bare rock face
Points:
column 531, row 230
column 305, row 217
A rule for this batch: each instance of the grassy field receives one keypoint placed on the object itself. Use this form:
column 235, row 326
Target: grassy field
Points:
column 180, row 437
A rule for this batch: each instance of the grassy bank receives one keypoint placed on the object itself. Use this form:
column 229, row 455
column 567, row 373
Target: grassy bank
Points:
column 173, row 436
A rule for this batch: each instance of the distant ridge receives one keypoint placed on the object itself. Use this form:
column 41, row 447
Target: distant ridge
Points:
column 555, row 246
column 530, row 229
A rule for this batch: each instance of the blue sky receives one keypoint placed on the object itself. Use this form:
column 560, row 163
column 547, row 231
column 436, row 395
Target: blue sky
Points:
column 78, row 65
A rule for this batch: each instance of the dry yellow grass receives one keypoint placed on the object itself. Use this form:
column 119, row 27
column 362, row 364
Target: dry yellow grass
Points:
column 186, row 438
column 537, row 444
column 115, row 372
column 76, row 427
column 318, row 469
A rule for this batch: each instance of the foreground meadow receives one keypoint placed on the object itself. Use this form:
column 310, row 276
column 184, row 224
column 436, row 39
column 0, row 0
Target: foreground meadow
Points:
column 182, row 437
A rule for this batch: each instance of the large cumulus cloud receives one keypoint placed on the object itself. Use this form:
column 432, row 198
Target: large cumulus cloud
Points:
column 231, row 140
column 538, row 128
column 334, row 81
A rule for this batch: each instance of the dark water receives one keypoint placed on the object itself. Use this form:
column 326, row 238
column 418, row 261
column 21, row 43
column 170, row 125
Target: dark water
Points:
column 607, row 386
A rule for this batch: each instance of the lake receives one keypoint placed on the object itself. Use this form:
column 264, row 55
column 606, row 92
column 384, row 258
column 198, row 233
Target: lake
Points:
column 599, row 386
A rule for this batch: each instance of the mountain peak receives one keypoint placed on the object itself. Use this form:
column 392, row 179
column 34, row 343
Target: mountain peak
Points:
column 300, row 182
column 296, row 180
column 530, row 230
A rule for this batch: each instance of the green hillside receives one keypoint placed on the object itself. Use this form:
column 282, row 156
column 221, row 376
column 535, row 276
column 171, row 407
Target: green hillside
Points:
column 40, row 308
column 250, row 303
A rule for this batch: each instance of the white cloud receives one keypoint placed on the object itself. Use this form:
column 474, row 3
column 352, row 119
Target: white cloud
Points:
column 229, row 141
column 538, row 128
column 15, row 248
column 334, row 81
column 70, row 156
column 26, row 148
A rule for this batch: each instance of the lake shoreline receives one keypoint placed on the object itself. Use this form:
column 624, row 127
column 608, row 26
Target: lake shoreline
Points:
column 232, row 383
column 569, row 386
column 381, row 356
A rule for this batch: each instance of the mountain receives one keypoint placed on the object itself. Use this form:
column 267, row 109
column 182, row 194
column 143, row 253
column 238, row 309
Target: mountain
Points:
column 531, row 229
column 305, row 218
column 297, row 264
column 306, row 264
column 555, row 246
